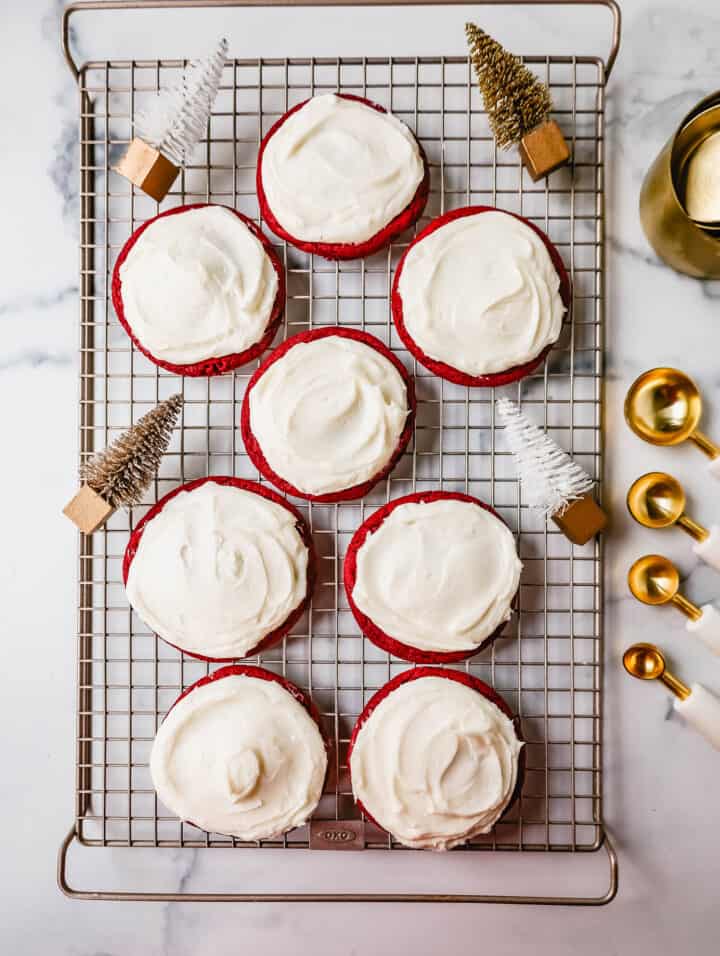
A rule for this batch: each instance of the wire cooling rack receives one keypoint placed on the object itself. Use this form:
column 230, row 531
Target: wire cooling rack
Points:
column 548, row 663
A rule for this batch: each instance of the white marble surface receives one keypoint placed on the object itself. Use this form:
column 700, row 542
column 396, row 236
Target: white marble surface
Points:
column 662, row 783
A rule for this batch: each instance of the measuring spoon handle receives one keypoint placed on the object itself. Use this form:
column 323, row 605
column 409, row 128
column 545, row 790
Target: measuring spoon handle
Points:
column 709, row 549
column 714, row 467
column 707, row 628
column 701, row 710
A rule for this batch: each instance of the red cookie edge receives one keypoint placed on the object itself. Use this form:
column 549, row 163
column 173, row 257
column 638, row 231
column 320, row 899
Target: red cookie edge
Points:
column 253, row 446
column 371, row 630
column 344, row 250
column 224, row 363
column 256, row 488
column 449, row 372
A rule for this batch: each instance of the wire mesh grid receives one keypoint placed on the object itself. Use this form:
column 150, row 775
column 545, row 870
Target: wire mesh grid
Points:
column 548, row 663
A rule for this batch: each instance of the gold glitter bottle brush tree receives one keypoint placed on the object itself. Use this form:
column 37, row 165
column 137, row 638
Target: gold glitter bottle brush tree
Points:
column 699, row 708
column 518, row 105
column 119, row 475
column 654, row 580
column 550, row 480
column 168, row 130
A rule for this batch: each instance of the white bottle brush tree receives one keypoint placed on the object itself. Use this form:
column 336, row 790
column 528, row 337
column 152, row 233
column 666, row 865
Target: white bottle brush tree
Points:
column 549, row 478
column 175, row 120
column 170, row 127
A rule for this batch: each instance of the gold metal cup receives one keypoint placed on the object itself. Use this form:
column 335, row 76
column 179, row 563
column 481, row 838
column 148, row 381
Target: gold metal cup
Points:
column 663, row 406
column 679, row 241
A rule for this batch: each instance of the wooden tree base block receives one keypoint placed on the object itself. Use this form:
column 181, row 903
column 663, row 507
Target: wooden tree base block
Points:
column 88, row 510
column 543, row 150
column 582, row 520
column 148, row 169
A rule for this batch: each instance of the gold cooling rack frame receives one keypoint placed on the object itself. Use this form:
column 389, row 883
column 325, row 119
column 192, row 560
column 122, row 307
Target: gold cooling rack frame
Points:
column 549, row 663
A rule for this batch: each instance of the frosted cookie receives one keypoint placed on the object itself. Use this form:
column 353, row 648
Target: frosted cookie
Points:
column 339, row 176
column 199, row 290
column 241, row 753
column 432, row 577
column 220, row 568
column 435, row 758
column 479, row 296
column 328, row 414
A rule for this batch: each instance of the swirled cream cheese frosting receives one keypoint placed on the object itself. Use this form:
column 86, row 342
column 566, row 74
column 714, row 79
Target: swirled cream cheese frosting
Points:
column 481, row 293
column 435, row 763
column 337, row 170
column 239, row 756
column 198, row 285
column 438, row 575
column 217, row 570
column 328, row 415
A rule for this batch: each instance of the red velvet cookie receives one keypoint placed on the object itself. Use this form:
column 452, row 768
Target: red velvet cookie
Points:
column 216, row 364
column 254, row 445
column 343, row 250
column 443, row 369
column 268, row 494
column 459, row 677
column 370, row 628
column 243, row 760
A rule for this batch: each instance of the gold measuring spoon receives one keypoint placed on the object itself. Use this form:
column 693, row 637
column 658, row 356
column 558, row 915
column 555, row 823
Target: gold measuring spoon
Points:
column 655, row 580
column 657, row 500
column 698, row 706
column 663, row 407
column 646, row 662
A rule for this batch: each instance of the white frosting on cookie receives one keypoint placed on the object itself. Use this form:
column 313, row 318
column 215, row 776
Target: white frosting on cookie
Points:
column 198, row 285
column 438, row 575
column 217, row 570
column 481, row 294
column 435, row 763
column 329, row 414
column 339, row 171
column 239, row 756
